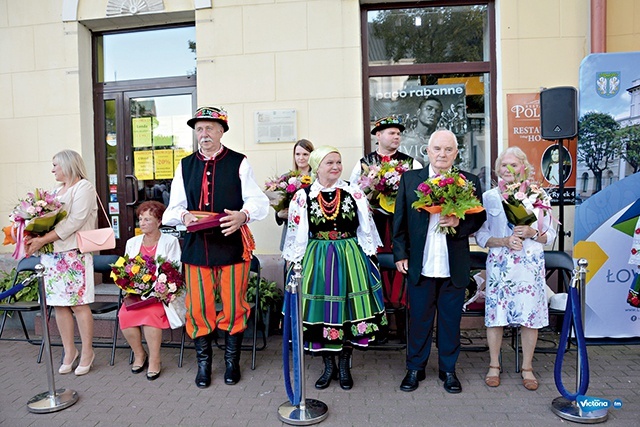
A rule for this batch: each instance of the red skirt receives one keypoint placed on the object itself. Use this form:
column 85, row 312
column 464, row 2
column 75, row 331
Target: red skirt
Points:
column 149, row 315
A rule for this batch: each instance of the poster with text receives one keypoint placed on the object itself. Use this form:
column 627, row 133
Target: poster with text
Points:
column 524, row 132
column 423, row 109
column 609, row 190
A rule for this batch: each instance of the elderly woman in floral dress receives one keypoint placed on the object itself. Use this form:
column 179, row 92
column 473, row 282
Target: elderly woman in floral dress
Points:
column 331, row 231
column 516, row 292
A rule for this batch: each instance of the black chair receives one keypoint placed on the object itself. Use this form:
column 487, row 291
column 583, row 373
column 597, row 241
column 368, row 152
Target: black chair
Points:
column 399, row 311
column 258, row 323
column 554, row 261
column 10, row 305
column 101, row 266
column 478, row 262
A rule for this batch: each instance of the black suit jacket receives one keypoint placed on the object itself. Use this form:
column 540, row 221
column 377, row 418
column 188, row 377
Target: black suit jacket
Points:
column 410, row 230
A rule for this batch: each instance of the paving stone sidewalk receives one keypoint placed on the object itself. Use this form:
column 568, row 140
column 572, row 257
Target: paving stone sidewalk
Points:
column 112, row 396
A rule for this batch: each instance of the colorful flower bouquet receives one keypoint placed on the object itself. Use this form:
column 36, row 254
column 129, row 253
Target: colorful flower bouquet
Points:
column 36, row 214
column 148, row 278
column 281, row 189
column 380, row 183
column 521, row 197
column 447, row 194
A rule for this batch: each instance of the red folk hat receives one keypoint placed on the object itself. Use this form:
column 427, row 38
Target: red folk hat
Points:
column 213, row 114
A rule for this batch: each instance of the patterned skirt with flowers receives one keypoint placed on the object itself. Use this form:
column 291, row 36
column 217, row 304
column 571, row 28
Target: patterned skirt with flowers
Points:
column 342, row 298
column 68, row 278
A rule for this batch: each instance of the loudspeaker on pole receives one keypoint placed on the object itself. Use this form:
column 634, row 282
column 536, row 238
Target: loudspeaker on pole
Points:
column 559, row 113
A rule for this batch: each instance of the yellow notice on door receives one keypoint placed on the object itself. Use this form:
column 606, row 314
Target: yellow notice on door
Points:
column 163, row 160
column 179, row 154
column 141, row 129
column 143, row 164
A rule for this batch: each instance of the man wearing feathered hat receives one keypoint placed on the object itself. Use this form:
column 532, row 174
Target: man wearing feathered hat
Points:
column 214, row 193
column 388, row 133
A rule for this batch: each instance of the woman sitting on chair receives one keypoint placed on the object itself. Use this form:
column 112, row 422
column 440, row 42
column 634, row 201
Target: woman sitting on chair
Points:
column 151, row 318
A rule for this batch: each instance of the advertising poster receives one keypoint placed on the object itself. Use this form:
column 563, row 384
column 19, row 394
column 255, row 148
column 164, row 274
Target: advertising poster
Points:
column 179, row 154
column 524, row 132
column 423, row 109
column 141, row 129
column 163, row 162
column 609, row 188
column 143, row 164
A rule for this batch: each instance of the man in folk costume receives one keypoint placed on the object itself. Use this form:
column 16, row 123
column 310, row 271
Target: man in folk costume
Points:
column 388, row 133
column 219, row 183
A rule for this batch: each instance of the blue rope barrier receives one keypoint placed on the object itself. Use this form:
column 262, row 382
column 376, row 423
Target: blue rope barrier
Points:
column 286, row 336
column 290, row 332
column 10, row 292
column 572, row 314
column 296, row 342
column 17, row 288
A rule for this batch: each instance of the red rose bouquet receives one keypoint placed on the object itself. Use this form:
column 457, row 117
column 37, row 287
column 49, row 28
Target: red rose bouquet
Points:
column 148, row 277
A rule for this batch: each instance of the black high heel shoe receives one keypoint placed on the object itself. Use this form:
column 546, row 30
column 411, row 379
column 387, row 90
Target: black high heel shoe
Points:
column 135, row 369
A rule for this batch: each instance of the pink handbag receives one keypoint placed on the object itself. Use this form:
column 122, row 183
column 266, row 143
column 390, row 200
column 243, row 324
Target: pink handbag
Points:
column 101, row 239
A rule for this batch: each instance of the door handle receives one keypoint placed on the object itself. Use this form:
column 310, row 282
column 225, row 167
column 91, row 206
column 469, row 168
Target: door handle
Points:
column 135, row 192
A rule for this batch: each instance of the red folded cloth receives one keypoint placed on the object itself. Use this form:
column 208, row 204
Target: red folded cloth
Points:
column 135, row 302
column 205, row 220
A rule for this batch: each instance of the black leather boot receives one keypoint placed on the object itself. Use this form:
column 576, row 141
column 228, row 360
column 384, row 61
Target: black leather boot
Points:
column 204, row 356
column 344, row 368
column 330, row 372
column 233, row 347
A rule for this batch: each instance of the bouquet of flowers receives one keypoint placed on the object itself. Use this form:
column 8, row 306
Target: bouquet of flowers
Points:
column 380, row 183
column 281, row 189
column 36, row 214
column 447, row 194
column 520, row 198
column 148, row 277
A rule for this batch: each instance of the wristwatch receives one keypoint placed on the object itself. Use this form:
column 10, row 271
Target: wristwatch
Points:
column 535, row 236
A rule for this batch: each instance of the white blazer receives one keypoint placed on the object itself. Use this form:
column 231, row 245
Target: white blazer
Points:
column 168, row 247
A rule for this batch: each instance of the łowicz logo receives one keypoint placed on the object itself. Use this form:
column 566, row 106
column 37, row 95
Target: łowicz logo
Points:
column 590, row 403
column 608, row 83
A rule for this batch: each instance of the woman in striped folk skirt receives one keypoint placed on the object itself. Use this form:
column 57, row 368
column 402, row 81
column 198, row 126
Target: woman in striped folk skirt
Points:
column 330, row 230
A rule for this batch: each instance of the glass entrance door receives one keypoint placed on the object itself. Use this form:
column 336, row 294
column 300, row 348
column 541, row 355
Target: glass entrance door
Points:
column 145, row 136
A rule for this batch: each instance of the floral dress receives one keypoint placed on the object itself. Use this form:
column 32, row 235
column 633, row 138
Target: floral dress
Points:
column 68, row 276
column 331, row 231
column 516, row 291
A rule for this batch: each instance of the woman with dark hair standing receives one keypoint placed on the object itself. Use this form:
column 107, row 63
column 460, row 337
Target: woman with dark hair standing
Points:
column 68, row 275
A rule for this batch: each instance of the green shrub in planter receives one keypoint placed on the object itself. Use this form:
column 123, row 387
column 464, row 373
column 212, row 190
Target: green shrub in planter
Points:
column 271, row 298
column 29, row 293
column 271, row 295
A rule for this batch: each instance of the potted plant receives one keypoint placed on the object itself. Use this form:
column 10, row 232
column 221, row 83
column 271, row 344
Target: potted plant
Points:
column 29, row 293
column 271, row 297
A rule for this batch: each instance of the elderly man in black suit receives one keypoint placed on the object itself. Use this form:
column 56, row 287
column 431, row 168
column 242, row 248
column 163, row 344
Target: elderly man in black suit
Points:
column 437, row 266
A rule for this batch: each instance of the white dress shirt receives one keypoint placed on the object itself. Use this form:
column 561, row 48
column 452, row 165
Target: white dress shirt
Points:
column 255, row 202
column 435, row 259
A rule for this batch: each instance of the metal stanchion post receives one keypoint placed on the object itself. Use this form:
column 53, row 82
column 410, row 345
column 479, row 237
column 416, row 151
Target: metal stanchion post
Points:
column 565, row 408
column 309, row 411
column 52, row 400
